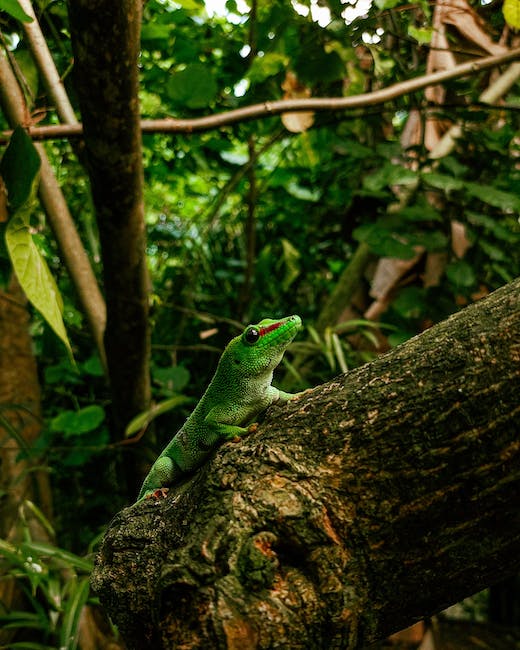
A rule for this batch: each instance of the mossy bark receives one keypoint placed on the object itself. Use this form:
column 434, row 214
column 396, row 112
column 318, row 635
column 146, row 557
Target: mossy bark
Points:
column 374, row 500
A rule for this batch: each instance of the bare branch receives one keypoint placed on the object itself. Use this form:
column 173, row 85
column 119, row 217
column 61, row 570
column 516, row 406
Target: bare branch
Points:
column 46, row 66
column 268, row 109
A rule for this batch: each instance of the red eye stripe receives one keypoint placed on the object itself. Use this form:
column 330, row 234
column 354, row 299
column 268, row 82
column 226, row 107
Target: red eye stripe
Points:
column 269, row 328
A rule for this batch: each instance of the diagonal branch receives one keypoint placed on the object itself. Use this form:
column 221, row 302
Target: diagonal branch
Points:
column 45, row 63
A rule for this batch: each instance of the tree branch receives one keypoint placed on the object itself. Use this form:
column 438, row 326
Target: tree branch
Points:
column 60, row 219
column 46, row 67
column 376, row 499
column 268, row 109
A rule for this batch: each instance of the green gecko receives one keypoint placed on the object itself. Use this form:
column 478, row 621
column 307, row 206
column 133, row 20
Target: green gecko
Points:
column 239, row 391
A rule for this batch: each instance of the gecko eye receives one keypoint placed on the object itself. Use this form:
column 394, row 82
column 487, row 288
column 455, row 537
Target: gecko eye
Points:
column 251, row 335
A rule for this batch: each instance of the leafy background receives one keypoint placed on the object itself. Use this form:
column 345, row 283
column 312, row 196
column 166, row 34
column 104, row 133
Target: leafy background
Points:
column 258, row 218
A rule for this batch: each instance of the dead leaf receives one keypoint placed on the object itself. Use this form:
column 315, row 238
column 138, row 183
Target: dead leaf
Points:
column 293, row 89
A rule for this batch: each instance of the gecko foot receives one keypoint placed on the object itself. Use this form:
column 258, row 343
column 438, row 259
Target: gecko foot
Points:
column 158, row 494
column 252, row 428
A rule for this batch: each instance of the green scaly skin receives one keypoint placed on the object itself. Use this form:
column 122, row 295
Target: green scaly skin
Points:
column 239, row 391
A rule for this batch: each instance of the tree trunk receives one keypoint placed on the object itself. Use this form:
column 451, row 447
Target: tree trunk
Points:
column 377, row 499
column 105, row 39
column 20, row 425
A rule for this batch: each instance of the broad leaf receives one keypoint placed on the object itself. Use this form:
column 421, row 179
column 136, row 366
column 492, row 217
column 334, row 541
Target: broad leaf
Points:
column 19, row 168
column 506, row 201
column 12, row 7
column 511, row 11
column 33, row 273
column 266, row 66
column 195, row 86
column 461, row 274
column 75, row 423
column 442, row 181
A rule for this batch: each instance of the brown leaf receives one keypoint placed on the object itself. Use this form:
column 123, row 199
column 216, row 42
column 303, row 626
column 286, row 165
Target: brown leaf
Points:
column 293, row 89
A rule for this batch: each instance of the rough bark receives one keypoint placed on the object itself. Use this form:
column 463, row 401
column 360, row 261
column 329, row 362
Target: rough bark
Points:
column 20, row 425
column 105, row 39
column 374, row 500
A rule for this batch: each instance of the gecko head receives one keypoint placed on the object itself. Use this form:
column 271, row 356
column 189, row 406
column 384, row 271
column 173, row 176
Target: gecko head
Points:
column 260, row 347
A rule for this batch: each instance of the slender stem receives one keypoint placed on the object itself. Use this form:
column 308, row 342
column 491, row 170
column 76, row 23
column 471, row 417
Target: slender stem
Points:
column 46, row 66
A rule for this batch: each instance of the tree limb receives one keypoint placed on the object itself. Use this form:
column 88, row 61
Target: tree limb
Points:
column 268, row 109
column 376, row 499
column 45, row 63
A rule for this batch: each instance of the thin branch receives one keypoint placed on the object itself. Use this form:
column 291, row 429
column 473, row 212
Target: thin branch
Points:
column 269, row 109
column 60, row 219
column 47, row 68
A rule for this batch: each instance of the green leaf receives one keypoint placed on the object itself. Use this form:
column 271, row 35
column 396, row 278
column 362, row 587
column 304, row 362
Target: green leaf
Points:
column 40, row 549
column 12, row 7
column 143, row 419
column 92, row 366
column 461, row 274
column 389, row 174
column 511, row 11
column 156, row 32
column 442, row 181
column 195, row 86
column 266, row 66
column 174, row 378
column 19, row 167
column 73, row 423
column 419, row 212
column 493, row 252
column 493, row 225
column 33, row 274
column 74, row 605
column 410, row 303
column 423, row 35
column 303, row 193
column 384, row 242
column 291, row 257
column 506, row 201
column 387, row 4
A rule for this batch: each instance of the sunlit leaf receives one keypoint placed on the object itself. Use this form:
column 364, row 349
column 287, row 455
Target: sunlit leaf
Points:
column 33, row 273
column 511, row 10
